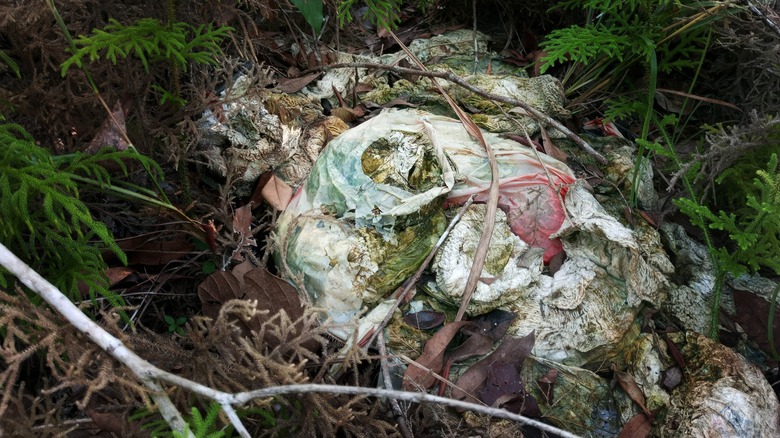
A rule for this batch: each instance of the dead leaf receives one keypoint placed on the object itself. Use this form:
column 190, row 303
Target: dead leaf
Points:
column 551, row 149
column 347, row 115
column 671, row 378
column 637, row 427
column 277, row 192
column 293, row 85
column 241, row 269
column 512, row 351
column 630, row 387
column 217, row 289
column 112, row 131
column 477, row 344
column 424, row 320
column 117, row 274
column 547, row 386
column 502, row 380
column 272, row 293
column 150, row 250
column 495, row 323
column 242, row 225
column 418, row 375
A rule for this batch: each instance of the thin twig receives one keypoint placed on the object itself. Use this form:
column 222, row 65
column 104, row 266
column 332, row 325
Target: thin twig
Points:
column 149, row 375
column 399, row 414
column 449, row 76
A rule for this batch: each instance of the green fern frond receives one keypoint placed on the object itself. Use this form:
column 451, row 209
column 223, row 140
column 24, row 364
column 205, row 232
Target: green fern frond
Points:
column 44, row 221
column 584, row 44
column 150, row 41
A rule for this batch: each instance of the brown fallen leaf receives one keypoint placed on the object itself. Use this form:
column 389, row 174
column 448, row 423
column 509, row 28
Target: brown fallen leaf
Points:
column 242, row 225
column 431, row 359
column 495, row 323
column 551, row 149
column 671, row 378
column 547, row 386
column 637, row 427
column 752, row 314
column 113, row 131
column 150, row 250
column 217, row 289
column 293, row 85
column 424, row 320
column 630, row 387
column 277, row 192
column 512, row 351
column 502, row 380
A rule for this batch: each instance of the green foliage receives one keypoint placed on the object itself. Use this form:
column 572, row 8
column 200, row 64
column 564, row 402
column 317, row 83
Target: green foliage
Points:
column 150, row 41
column 660, row 35
column 45, row 223
column 584, row 44
column 199, row 425
column 312, row 12
column 202, row 427
column 383, row 13
column 10, row 63
column 175, row 325
column 754, row 230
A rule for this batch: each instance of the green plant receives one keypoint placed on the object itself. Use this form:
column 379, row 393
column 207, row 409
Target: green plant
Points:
column 654, row 35
column 150, row 41
column 383, row 13
column 45, row 222
column 753, row 230
column 312, row 12
column 175, row 325
column 199, row 425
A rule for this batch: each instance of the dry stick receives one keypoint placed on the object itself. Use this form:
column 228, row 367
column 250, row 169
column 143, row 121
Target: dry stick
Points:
column 414, row 397
column 480, row 254
column 399, row 414
column 149, row 374
column 449, row 76
column 113, row 346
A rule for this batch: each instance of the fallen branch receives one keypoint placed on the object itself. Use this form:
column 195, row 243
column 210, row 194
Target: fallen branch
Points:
column 151, row 376
column 449, row 76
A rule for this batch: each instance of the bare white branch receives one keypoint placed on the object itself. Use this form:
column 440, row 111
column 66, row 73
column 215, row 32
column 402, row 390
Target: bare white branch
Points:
column 150, row 375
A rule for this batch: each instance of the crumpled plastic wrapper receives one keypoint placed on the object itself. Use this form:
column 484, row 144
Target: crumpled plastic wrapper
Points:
column 584, row 314
column 373, row 205
column 723, row 395
column 249, row 134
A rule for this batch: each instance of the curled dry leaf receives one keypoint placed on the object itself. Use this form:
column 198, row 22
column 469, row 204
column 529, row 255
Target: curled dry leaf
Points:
column 513, row 351
column 277, row 192
column 547, row 386
column 424, row 320
column 634, row 392
column 418, row 374
column 294, row 85
column 637, row 427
